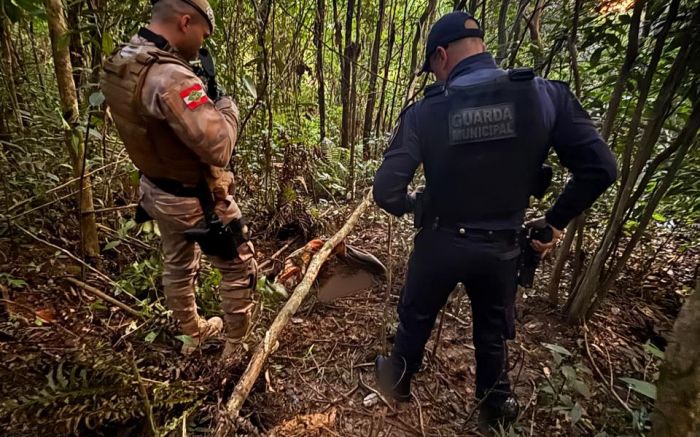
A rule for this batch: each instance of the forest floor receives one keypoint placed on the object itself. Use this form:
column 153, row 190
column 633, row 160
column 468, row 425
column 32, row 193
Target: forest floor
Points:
column 71, row 364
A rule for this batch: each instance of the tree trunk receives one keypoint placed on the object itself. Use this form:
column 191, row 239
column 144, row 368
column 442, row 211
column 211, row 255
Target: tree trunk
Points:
column 592, row 286
column 378, row 125
column 75, row 43
column 354, row 56
column 677, row 409
column 8, row 69
column 630, row 56
column 319, row 24
column 576, row 226
column 421, row 28
column 73, row 137
column 536, row 36
column 399, row 76
column 346, row 74
column 502, row 32
column 372, row 91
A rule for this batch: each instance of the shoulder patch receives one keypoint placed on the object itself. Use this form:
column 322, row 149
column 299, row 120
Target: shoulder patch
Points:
column 518, row 74
column 194, row 96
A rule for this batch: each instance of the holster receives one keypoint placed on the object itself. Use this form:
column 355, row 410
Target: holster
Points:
column 214, row 237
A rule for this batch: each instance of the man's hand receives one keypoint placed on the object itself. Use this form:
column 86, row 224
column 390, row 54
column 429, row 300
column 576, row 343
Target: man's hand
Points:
column 539, row 246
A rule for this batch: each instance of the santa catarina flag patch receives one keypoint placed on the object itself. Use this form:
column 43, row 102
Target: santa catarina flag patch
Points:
column 194, row 96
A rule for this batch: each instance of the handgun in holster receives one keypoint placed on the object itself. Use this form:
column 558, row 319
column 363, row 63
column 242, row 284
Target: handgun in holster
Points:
column 529, row 257
column 214, row 237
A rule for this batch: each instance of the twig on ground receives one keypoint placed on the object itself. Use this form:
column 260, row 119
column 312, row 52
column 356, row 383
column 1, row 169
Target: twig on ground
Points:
column 83, row 263
column 142, row 390
column 389, row 285
column 600, row 374
column 100, row 294
column 271, row 259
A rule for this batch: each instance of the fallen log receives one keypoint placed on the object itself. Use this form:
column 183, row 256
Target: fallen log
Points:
column 264, row 349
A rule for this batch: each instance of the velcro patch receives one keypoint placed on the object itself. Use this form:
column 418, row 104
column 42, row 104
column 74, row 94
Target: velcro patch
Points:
column 194, row 96
column 484, row 123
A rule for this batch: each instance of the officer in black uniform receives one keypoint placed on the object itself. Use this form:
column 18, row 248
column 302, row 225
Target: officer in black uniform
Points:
column 482, row 135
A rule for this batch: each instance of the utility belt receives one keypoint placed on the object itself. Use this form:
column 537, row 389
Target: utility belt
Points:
column 213, row 237
column 510, row 235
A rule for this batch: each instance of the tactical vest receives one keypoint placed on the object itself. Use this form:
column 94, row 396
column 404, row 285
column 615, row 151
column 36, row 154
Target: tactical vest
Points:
column 151, row 144
column 482, row 147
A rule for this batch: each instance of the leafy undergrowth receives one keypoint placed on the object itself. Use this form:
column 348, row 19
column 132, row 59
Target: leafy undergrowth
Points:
column 74, row 365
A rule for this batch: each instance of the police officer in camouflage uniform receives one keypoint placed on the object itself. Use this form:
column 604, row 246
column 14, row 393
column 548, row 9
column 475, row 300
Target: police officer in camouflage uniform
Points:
column 482, row 135
column 181, row 140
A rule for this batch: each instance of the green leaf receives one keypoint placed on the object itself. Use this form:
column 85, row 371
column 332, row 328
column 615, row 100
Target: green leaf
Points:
column 581, row 388
column 655, row 351
column 642, row 387
column 568, row 372
column 250, row 86
column 658, row 217
column 186, row 340
column 112, row 244
column 96, row 99
column 576, row 413
column 107, row 43
column 557, row 348
column 150, row 337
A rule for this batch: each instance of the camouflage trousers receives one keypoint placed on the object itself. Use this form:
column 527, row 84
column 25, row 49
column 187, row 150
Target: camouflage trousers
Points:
column 174, row 215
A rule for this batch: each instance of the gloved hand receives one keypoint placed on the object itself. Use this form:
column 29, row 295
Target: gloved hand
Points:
column 539, row 246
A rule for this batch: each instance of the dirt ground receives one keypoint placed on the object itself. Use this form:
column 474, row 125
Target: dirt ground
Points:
column 320, row 381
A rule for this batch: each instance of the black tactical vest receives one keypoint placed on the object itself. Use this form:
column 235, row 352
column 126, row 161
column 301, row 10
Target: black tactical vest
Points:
column 482, row 147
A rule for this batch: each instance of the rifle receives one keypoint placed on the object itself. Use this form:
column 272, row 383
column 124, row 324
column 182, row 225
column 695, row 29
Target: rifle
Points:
column 205, row 70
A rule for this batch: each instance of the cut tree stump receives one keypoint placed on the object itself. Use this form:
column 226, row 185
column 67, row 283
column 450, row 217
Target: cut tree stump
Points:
column 226, row 422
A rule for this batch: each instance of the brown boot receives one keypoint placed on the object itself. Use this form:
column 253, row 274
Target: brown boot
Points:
column 207, row 329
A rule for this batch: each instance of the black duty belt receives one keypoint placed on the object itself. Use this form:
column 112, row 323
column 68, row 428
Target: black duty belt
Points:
column 176, row 188
column 502, row 234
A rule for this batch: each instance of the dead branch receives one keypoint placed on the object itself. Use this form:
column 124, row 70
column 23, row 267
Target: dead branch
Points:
column 95, row 292
column 265, row 348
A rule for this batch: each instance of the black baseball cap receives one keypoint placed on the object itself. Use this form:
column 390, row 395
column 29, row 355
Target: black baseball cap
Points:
column 447, row 29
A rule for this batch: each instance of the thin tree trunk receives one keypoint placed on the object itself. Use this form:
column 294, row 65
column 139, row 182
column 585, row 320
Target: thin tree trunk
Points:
column 630, row 57
column 577, row 225
column 372, row 91
column 592, row 287
column 355, row 56
column 502, row 32
column 385, row 78
column 685, row 140
column 8, row 69
column 346, row 75
column 421, row 28
column 399, row 75
column 536, row 36
column 319, row 24
column 69, row 106
column 75, row 43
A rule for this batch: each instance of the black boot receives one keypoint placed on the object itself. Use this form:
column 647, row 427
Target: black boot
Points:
column 494, row 417
column 392, row 377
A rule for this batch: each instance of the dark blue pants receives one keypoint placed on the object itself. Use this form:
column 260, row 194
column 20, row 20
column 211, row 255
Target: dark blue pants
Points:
column 486, row 265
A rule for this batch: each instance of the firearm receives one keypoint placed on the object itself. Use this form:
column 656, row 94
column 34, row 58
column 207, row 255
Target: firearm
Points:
column 529, row 258
column 205, row 70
